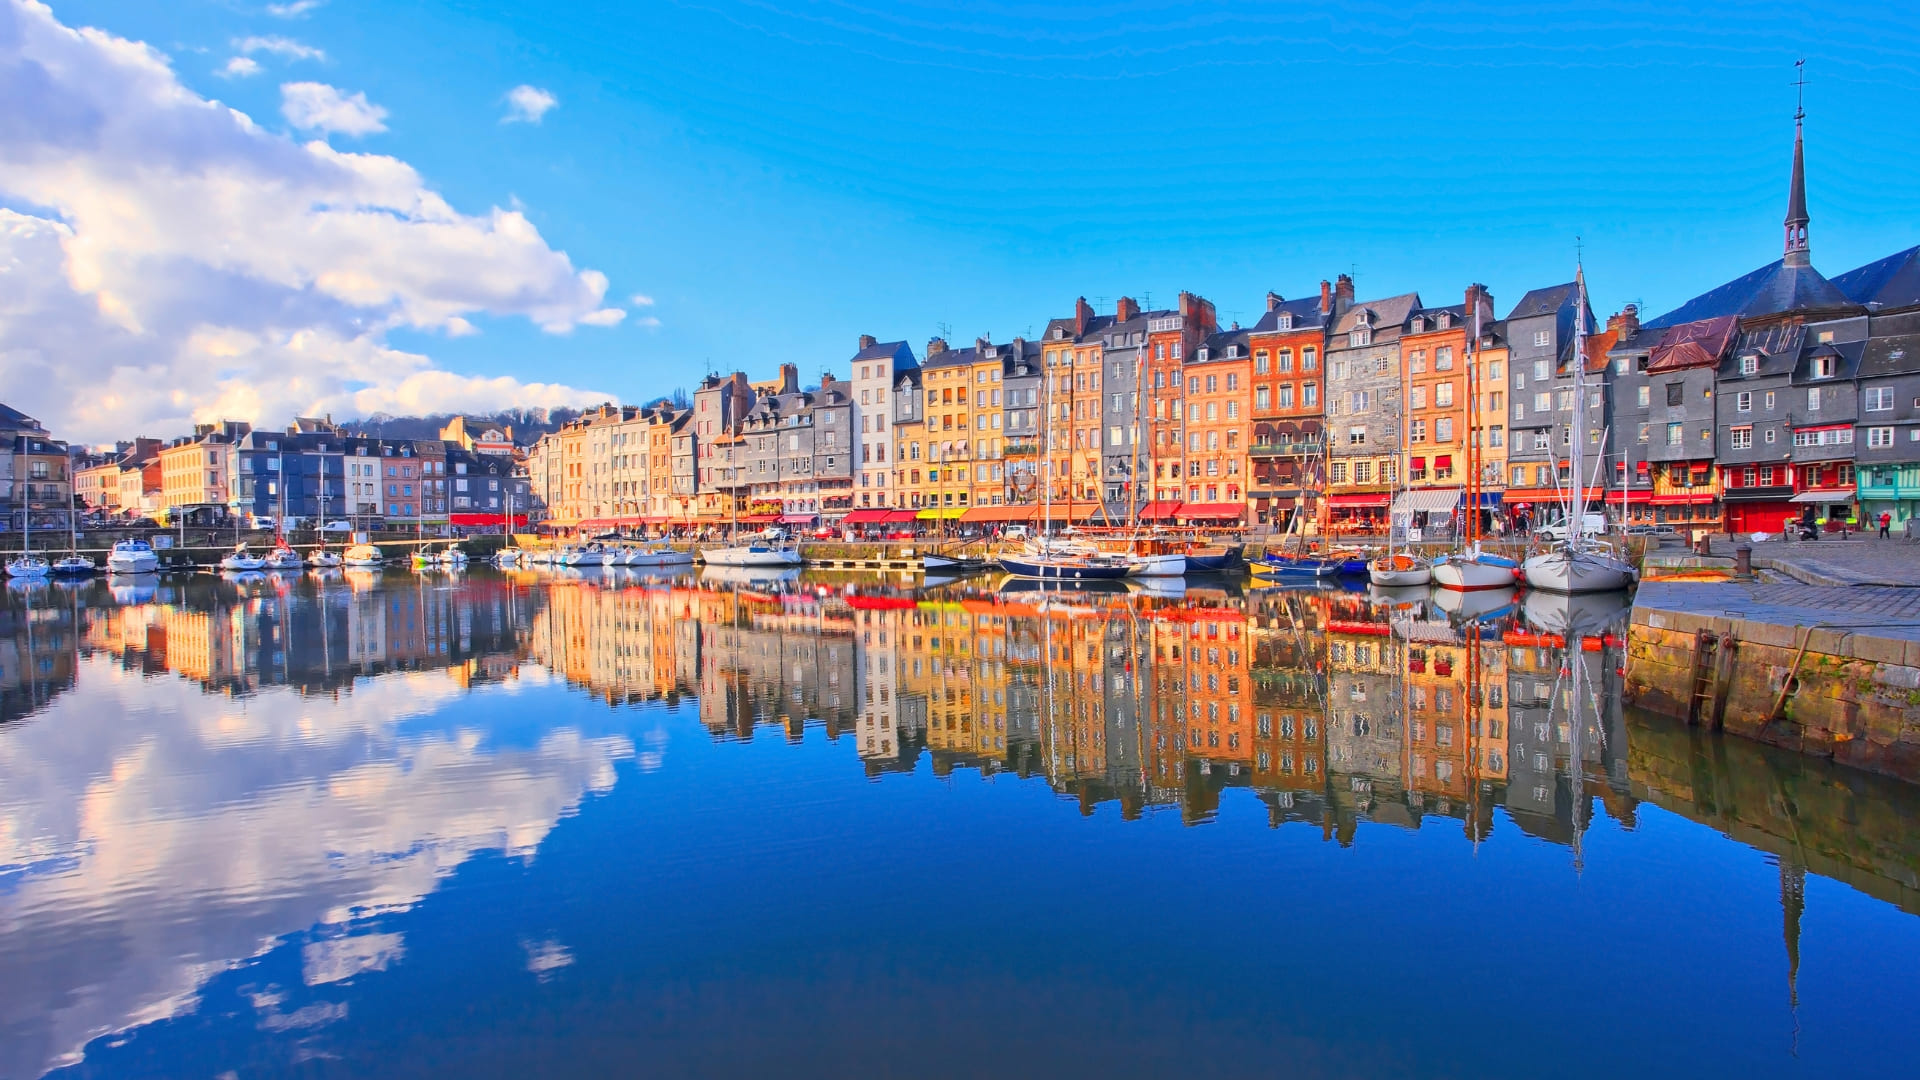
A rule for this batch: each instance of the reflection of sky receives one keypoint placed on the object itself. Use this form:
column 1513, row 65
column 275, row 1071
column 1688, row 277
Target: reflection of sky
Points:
column 152, row 835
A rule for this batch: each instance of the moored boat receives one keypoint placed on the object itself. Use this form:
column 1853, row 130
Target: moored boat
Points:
column 240, row 559
column 362, row 555
column 132, row 557
column 755, row 554
column 1399, row 570
column 28, row 565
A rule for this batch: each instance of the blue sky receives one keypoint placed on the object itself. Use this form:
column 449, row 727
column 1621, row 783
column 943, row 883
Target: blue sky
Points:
column 781, row 177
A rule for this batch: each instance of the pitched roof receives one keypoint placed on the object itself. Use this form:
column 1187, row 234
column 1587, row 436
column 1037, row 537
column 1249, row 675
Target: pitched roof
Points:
column 952, row 358
column 1893, row 348
column 1543, row 301
column 1774, row 288
column 882, row 350
column 12, row 417
column 1305, row 311
column 1388, row 314
column 1892, row 282
column 1694, row 344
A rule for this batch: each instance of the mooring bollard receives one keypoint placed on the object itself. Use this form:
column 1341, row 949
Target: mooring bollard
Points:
column 1703, row 546
column 1743, row 561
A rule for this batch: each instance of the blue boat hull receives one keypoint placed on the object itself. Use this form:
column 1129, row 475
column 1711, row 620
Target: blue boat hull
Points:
column 1062, row 571
column 1354, row 566
column 1216, row 564
column 1297, row 568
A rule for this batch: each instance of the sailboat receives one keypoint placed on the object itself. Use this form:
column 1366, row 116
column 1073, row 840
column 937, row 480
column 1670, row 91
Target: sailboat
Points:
column 73, row 564
column 1579, row 563
column 1298, row 563
column 242, row 559
column 282, row 557
column 1051, row 558
column 1467, row 568
column 1396, row 569
column 26, row 564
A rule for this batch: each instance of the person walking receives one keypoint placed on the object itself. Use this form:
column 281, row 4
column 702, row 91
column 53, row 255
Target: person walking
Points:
column 1886, row 522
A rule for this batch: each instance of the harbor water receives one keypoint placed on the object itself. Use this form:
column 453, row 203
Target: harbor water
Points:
column 715, row 824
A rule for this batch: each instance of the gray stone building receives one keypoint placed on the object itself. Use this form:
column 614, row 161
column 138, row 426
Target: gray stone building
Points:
column 779, row 438
column 1124, row 349
column 1363, row 404
column 874, row 369
column 1540, row 383
column 1673, row 402
column 1021, row 380
column 835, row 447
column 1751, row 393
column 1628, row 355
column 1824, row 408
column 1887, row 447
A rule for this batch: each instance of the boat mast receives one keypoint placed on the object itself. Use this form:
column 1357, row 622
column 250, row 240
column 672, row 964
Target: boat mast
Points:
column 1470, row 535
column 1577, row 498
column 1133, row 501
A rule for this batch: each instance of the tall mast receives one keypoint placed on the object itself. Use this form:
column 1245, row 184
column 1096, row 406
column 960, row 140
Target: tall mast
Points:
column 1471, row 533
column 1577, row 499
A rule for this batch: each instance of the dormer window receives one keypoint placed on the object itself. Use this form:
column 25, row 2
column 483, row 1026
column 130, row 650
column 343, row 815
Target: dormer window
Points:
column 1286, row 322
column 1203, row 354
column 1749, row 364
column 1446, row 320
column 1358, row 336
column 1417, row 324
column 1362, row 317
column 1823, row 367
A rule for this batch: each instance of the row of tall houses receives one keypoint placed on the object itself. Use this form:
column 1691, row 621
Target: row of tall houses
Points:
column 36, row 477
column 1778, row 395
column 312, row 470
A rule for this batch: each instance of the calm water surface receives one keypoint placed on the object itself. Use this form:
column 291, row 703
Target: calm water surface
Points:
column 616, row 825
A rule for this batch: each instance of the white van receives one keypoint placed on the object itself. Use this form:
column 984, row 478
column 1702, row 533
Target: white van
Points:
column 1590, row 525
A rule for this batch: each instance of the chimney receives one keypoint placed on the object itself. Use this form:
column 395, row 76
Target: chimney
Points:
column 1627, row 323
column 1326, row 297
column 1479, row 300
column 1342, row 294
column 936, row 346
column 867, row 341
column 1126, row 309
column 789, row 379
column 1082, row 315
column 1274, row 300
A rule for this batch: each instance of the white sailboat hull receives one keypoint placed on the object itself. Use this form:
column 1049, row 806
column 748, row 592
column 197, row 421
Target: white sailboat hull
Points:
column 752, row 556
column 660, row 558
column 1147, row 566
column 1466, row 575
column 1577, row 572
column 1400, row 579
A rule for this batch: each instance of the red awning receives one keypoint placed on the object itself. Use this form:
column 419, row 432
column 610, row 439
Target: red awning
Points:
column 1340, row 502
column 759, row 519
column 1683, row 500
column 866, row 517
column 482, row 520
column 797, row 519
column 1160, row 511
column 1212, row 511
column 901, row 517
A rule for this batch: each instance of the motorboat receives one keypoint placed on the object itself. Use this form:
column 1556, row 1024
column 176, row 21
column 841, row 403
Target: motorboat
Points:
column 73, row 566
column 1579, row 567
column 324, row 558
column 132, row 557
column 658, row 555
column 27, row 565
column 240, row 559
column 582, row 555
column 755, row 554
column 362, row 555
column 509, row 556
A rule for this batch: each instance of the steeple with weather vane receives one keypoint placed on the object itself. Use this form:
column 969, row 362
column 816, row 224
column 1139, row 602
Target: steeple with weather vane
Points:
column 1796, row 250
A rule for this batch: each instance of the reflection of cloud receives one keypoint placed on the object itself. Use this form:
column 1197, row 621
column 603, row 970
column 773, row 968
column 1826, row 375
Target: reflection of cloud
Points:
column 546, row 957
column 154, row 837
column 339, row 959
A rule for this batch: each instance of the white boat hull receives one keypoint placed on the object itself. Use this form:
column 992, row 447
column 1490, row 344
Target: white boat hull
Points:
column 28, row 568
column 144, row 563
column 749, row 556
column 1401, row 579
column 1466, row 575
column 324, row 560
column 1145, row 566
column 241, row 564
column 1581, row 572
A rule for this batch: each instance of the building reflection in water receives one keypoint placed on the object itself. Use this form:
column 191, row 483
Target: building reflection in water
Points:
column 329, row 720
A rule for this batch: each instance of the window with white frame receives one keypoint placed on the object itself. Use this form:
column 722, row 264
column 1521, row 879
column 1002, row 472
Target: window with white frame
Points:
column 1879, row 438
column 1742, row 438
column 1743, row 401
column 1878, row 399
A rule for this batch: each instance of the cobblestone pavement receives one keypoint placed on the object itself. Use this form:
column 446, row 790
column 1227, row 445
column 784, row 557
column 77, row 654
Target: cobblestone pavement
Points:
column 1859, row 560
column 1883, row 612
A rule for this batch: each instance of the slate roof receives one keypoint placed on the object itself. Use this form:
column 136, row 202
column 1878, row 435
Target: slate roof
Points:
column 1217, row 343
column 1770, row 290
column 1884, row 284
column 1458, row 311
column 1893, row 348
column 1694, row 344
column 1846, row 355
column 1776, row 346
column 1305, row 311
column 952, row 358
column 1543, row 301
column 1389, row 314
column 12, row 417
column 884, row 350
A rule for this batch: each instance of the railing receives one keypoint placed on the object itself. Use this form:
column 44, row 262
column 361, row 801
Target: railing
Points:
column 1300, row 447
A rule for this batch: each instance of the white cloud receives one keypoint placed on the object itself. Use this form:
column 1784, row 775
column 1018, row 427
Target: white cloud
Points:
column 640, row 300
column 528, row 104
column 284, row 47
column 604, row 317
column 165, row 259
column 295, row 9
column 647, row 321
column 239, row 68
column 313, row 106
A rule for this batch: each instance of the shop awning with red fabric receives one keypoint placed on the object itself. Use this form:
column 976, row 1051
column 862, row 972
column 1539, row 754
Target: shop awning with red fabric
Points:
column 797, row 519
column 1358, row 502
column 1212, row 511
column 1684, row 500
column 866, row 517
column 1160, row 511
column 901, row 517
column 482, row 520
column 759, row 519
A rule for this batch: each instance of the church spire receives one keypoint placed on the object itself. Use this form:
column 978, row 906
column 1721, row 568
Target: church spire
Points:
column 1796, row 250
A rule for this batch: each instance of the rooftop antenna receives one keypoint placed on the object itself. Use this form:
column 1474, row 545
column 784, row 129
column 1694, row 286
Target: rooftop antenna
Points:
column 946, row 330
column 1146, row 300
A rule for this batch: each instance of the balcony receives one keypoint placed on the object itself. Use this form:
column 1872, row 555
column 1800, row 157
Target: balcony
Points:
column 1301, row 448
column 1021, row 449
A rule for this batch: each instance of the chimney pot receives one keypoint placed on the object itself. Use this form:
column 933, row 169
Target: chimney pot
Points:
column 867, row 341
column 1273, row 300
column 1326, row 297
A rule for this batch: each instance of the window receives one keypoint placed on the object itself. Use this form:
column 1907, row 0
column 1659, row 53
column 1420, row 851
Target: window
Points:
column 1519, row 380
column 1766, row 476
column 1749, row 365
column 1417, row 398
column 1286, row 396
column 1646, row 396
column 1744, row 401
column 1769, row 404
column 1337, row 473
column 1542, row 440
column 1309, row 358
column 1443, row 358
column 1363, row 472
column 1541, row 339
column 1310, row 395
column 1360, row 401
column 1675, row 436
column 1813, row 399
column 1443, row 396
column 1674, row 393
column 1259, row 361
column 1496, row 436
column 1879, row 438
column 1824, row 437
column 1823, row 367
column 1769, row 436
column 1519, row 475
column 1417, row 361
column 1742, row 438
column 1566, row 400
column 1261, row 399
column 1443, row 429
column 1541, row 372
column 1417, row 431
column 1879, row 399
column 1356, row 436
column 1543, row 402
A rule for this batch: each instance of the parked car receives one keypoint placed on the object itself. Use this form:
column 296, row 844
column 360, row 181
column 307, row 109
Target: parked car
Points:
column 1014, row 532
column 1591, row 525
column 338, row 527
column 262, row 522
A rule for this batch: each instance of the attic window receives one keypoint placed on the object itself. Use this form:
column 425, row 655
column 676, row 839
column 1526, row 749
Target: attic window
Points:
column 1286, row 322
column 1362, row 316
column 1203, row 354
column 1823, row 367
column 1749, row 364
column 1446, row 320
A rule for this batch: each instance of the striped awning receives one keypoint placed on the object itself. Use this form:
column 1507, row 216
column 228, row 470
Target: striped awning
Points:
column 1426, row 501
